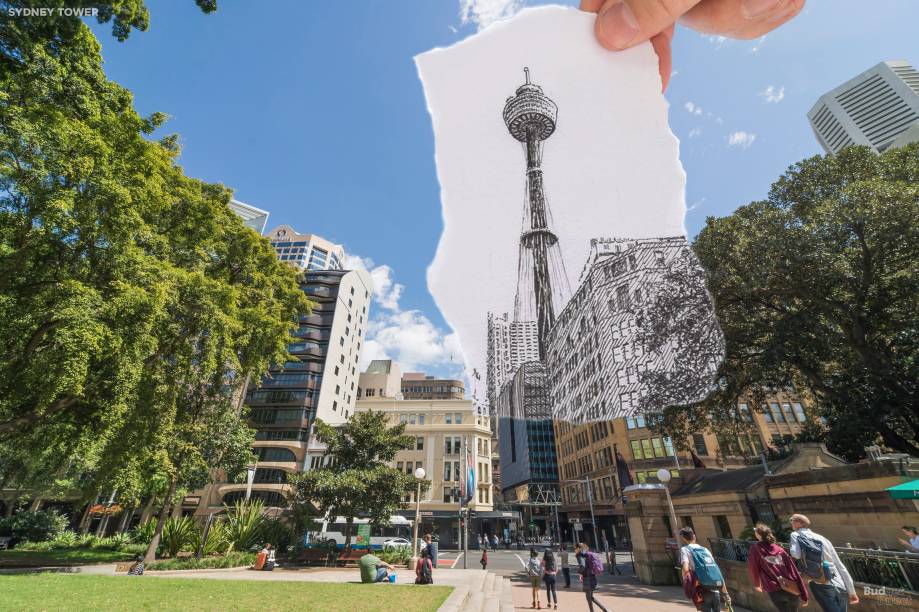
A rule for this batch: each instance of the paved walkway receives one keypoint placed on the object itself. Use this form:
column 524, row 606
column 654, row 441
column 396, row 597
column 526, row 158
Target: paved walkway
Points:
column 616, row 593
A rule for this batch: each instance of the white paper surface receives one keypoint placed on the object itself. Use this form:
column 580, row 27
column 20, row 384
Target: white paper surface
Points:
column 611, row 167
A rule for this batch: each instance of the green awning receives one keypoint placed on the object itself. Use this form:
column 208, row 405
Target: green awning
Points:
column 906, row 490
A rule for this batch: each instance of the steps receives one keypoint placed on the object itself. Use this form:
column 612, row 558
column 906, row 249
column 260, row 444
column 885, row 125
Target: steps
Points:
column 493, row 594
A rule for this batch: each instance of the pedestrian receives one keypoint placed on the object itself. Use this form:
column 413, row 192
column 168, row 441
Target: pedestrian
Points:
column 534, row 573
column 269, row 562
column 698, row 560
column 589, row 566
column 566, row 572
column 494, row 542
column 548, row 576
column 912, row 538
column 137, row 568
column 424, row 568
column 484, row 559
column 830, row 582
column 773, row 571
column 374, row 569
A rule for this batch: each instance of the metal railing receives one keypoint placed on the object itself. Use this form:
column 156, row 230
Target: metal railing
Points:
column 886, row 568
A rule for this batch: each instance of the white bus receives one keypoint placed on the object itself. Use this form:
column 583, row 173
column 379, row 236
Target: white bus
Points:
column 398, row 533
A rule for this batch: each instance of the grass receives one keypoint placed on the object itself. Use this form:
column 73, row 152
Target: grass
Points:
column 233, row 559
column 61, row 556
column 82, row 592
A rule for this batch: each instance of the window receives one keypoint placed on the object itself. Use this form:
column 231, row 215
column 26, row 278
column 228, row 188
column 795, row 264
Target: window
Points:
column 766, row 416
column 776, row 413
column 447, row 471
column 789, row 415
column 658, row 447
column 451, row 495
column 636, row 450
column 421, row 419
column 448, row 418
column 411, row 419
column 419, row 443
column 458, row 418
column 668, row 446
column 622, row 297
column 403, row 419
column 646, row 448
column 799, row 412
column 698, row 441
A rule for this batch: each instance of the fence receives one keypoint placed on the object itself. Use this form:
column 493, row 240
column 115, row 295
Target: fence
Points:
column 893, row 569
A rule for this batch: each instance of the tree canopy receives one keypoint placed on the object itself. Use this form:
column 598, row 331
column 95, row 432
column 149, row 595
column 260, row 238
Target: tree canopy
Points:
column 818, row 287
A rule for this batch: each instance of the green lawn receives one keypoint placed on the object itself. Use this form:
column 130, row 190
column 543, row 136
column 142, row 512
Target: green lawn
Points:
column 82, row 592
column 63, row 556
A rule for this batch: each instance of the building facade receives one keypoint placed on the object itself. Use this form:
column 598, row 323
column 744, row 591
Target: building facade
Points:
column 319, row 381
column 418, row 385
column 510, row 344
column 306, row 251
column 588, row 452
column 253, row 217
column 879, row 108
column 382, row 378
column 593, row 357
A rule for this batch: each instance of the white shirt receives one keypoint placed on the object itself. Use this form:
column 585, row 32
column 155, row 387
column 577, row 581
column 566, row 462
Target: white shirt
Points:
column 841, row 578
column 914, row 542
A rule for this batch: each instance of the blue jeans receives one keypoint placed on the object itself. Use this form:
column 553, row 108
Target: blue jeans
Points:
column 831, row 598
column 381, row 574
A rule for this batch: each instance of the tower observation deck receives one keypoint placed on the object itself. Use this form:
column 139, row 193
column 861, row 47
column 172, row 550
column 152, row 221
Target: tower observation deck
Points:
column 530, row 116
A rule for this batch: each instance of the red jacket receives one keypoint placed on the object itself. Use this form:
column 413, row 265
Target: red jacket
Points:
column 767, row 562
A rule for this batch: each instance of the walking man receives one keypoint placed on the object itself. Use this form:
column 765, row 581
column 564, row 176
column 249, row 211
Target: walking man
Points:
column 830, row 582
column 695, row 558
column 589, row 566
column 566, row 572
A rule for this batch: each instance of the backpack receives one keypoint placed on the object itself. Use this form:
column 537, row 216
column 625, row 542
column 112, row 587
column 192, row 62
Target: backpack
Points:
column 534, row 570
column 811, row 562
column 594, row 564
column 425, row 575
column 707, row 571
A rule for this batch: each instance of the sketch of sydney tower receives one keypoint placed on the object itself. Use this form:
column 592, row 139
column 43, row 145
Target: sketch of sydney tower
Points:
column 530, row 116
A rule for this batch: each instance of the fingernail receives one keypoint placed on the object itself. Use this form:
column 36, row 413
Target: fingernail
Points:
column 619, row 25
column 752, row 9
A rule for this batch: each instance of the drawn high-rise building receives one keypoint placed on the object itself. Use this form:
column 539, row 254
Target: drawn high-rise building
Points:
column 878, row 108
column 530, row 117
column 510, row 345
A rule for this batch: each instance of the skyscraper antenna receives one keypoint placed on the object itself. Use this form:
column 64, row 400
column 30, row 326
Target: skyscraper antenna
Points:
column 526, row 73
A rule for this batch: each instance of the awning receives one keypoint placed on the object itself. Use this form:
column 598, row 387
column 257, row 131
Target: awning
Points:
column 906, row 490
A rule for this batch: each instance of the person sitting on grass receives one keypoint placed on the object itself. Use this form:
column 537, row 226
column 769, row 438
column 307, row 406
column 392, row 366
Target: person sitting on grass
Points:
column 374, row 569
column 137, row 568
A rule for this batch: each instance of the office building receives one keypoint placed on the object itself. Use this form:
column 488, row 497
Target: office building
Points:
column 253, row 217
column 382, row 378
column 418, row 385
column 319, row 381
column 879, row 108
column 442, row 430
column 510, row 344
column 588, row 452
column 306, row 251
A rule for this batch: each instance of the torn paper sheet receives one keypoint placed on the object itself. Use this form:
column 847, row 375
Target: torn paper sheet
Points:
column 563, row 207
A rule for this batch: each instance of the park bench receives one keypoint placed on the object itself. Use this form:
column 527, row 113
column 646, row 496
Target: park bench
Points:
column 313, row 556
column 349, row 558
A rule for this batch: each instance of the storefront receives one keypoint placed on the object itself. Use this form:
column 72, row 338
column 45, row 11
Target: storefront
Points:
column 445, row 526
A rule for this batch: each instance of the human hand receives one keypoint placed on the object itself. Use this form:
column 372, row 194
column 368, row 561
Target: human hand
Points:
column 625, row 23
column 804, row 604
column 758, row 589
column 853, row 598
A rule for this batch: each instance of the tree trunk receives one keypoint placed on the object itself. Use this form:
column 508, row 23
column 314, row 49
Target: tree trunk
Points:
column 348, row 525
column 126, row 515
column 36, row 504
column 176, row 510
column 147, row 512
column 150, row 555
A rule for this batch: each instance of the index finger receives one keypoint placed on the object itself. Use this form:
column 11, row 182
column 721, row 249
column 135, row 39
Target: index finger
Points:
column 626, row 23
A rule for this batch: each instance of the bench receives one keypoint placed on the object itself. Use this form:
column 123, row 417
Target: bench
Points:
column 351, row 557
column 313, row 555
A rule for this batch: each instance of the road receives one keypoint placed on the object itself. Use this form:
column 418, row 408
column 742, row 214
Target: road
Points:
column 511, row 563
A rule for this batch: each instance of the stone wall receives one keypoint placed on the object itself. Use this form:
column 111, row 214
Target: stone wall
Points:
column 654, row 562
column 873, row 599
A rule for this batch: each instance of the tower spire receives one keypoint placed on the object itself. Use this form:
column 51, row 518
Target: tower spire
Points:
column 526, row 74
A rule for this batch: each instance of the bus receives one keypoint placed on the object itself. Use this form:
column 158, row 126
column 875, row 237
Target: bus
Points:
column 330, row 532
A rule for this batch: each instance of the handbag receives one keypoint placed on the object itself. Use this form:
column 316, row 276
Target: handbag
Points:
column 787, row 585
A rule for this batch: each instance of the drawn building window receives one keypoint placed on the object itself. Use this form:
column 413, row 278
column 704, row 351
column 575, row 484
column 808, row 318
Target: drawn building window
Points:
column 766, row 415
column 776, row 412
column 622, row 297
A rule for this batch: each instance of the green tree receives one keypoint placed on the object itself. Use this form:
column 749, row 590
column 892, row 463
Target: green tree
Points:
column 134, row 305
column 357, row 482
column 818, row 286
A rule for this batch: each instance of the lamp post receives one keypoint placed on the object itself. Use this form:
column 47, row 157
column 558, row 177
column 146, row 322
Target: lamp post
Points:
column 593, row 520
column 663, row 475
column 250, row 476
column 419, row 476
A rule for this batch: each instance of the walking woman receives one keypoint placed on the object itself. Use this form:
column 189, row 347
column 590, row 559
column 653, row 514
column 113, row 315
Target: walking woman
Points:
column 589, row 566
column 548, row 576
column 534, row 573
column 773, row 570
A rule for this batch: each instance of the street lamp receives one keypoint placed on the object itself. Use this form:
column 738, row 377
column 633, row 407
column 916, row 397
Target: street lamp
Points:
column 593, row 520
column 419, row 476
column 663, row 475
column 250, row 476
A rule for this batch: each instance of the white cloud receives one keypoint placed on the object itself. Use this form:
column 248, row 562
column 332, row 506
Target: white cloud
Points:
column 772, row 94
column 718, row 41
column 758, row 45
column 407, row 337
column 695, row 132
column 483, row 13
column 692, row 108
column 695, row 205
column 741, row 139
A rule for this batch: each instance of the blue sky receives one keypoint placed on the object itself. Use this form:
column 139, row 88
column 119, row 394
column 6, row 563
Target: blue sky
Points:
column 314, row 112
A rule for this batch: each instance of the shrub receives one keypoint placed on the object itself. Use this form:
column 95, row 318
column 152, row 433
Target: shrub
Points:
column 397, row 555
column 66, row 539
column 38, row 526
column 278, row 532
column 217, row 539
column 144, row 533
column 244, row 524
column 177, row 535
column 233, row 559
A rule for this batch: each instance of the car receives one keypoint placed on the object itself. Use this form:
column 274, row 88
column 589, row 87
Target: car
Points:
column 397, row 543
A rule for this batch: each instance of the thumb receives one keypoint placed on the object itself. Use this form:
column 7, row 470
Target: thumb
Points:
column 626, row 23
